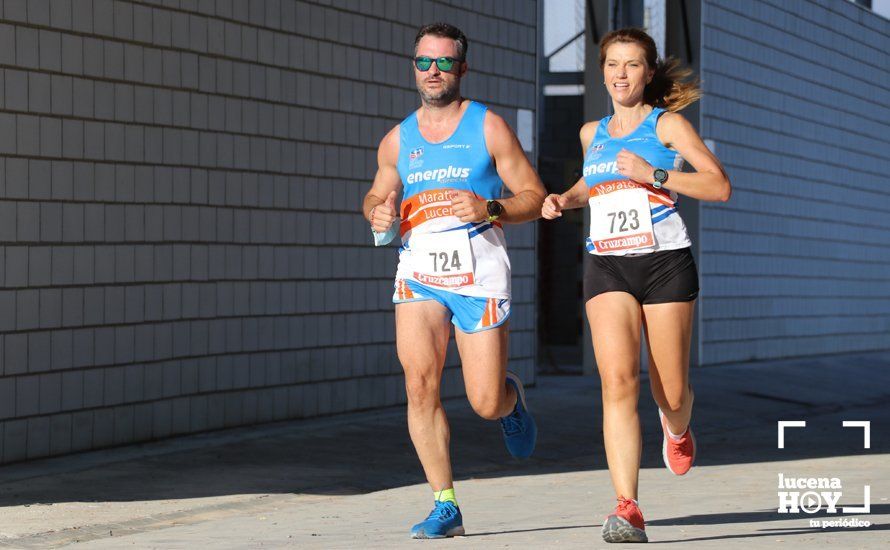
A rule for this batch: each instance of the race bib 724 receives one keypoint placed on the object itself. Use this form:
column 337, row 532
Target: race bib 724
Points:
column 443, row 259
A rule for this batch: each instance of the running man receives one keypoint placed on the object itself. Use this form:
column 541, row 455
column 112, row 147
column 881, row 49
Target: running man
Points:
column 640, row 270
column 449, row 160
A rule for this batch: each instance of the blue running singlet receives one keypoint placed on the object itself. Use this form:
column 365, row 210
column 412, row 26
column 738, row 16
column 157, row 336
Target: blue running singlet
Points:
column 438, row 250
column 628, row 217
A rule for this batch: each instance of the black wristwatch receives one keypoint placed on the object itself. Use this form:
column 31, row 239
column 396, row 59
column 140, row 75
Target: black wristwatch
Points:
column 660, row 175
column 495, row 210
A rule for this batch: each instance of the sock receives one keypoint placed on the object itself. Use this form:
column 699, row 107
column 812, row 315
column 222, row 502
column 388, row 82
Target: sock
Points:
column 675, row 437
column 446, row 495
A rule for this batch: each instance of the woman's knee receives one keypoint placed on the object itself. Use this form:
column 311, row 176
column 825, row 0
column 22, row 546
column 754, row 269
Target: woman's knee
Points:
column 620, row 385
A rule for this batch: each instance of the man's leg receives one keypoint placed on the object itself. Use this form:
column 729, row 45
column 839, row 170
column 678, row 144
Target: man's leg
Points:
column 483, row 357
column 422, row 331
column 492, row 391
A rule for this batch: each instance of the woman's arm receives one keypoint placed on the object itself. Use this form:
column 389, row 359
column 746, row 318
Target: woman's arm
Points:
column 577, row 195
column 709, row 182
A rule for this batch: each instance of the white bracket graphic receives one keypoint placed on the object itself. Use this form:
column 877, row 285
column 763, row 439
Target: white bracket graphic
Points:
column 866, row 430
column 866, row 498
column 788, row 424
column 866, row 444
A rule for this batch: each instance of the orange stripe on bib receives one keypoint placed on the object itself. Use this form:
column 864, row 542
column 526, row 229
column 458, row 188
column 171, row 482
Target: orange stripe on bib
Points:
column 426, row 205
column 657, row 196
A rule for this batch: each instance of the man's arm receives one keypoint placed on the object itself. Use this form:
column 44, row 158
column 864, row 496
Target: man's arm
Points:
column 515, row 171
column 379, row 206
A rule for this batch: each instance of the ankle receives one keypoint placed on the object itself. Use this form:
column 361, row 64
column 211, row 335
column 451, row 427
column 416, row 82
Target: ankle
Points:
column 445, row 495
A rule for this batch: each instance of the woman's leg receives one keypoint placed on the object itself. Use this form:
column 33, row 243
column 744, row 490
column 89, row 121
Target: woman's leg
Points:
column 615, row 319
column 668, row 336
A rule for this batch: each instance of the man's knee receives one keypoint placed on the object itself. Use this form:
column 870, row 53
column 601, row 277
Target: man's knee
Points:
column 488, row 409
column 422, row 390
column 488, row 403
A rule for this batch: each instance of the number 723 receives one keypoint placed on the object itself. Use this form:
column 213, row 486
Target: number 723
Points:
column 623, row 218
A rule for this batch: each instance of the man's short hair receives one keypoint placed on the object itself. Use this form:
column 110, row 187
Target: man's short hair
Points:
column 444, row 30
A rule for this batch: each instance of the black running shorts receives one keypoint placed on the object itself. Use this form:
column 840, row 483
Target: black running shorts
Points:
column 654, row 278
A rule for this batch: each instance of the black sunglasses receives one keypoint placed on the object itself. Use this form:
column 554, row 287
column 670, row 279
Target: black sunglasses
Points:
column 424, row 63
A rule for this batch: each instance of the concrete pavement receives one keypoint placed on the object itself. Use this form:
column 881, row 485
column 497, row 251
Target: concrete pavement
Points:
column 353, row 480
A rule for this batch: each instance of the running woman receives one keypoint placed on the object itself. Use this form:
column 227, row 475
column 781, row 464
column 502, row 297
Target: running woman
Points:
column 449, row 160
column 639, row 270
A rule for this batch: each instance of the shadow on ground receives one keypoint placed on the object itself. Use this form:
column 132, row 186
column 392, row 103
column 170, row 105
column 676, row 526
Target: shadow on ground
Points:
column 737, row 407
column 762, row 516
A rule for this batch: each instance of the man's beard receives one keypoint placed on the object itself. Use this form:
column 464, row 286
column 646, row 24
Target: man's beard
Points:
column 447, row 94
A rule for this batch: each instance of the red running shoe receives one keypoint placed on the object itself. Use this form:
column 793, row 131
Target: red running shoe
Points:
column 678, row 455
column 625, row 524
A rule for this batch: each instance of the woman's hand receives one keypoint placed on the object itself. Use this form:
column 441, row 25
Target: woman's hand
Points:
column 553, row 206
column 635, row 167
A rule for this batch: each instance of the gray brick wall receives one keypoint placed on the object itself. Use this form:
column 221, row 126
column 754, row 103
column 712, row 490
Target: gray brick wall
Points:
column 180, row 184
column 798, row 104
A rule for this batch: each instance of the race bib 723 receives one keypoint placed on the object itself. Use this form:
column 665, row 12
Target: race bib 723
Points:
column 621, row 220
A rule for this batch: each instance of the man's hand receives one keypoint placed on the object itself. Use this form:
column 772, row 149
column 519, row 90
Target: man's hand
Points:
column 468, row 207
column 384, row 214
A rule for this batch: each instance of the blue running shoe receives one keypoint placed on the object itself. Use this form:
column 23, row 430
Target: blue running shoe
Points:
column 520, row 430
column 444, row 521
